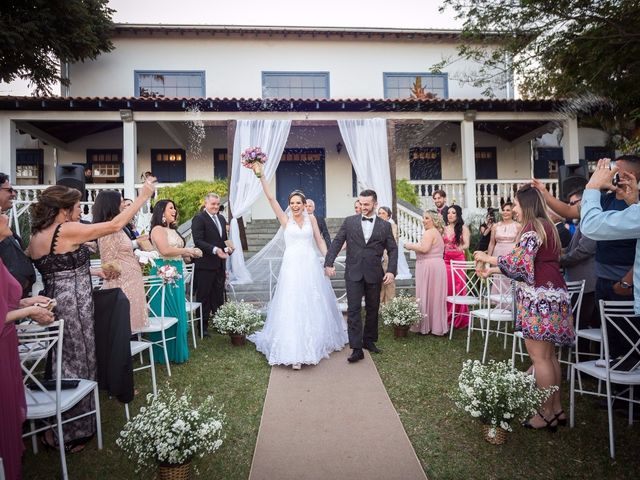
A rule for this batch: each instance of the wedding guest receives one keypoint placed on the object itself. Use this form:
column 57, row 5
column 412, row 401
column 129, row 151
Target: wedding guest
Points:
column 535, row 267
column 12, row 248
column 456, row 237
column 171, row 247
column 388, row 291
column 13, row 406
column 560, row 223
column 440, row 201
column 131, row 229
column 322, row 225
column 485, row 230
column 116, row 252
column 357, row 207
column 504, row 233
column 431, row 276
column 58, row 252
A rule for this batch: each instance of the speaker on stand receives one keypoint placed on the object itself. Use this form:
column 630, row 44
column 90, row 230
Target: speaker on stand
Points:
column 572, row 177
column 71, row 176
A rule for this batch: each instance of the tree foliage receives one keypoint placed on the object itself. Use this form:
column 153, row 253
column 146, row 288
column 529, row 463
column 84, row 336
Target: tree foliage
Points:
column 36, row 35
column 557, row 48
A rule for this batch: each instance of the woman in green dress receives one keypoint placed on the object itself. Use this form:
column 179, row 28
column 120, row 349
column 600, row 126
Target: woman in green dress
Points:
column 171, row 247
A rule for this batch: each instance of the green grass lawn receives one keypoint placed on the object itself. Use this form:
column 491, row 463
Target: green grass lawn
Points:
column 420, row 374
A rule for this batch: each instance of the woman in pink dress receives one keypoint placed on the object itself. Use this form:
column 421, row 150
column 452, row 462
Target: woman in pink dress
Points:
column 456, row 237
column 503, row 241
column 431, row 276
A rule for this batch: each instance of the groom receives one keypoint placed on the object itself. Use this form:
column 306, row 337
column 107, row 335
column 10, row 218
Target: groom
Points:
column 367, row 238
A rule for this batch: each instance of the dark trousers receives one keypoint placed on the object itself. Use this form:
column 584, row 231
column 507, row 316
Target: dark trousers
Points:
column 209, row 292
column 371, row 292
column 618, row 345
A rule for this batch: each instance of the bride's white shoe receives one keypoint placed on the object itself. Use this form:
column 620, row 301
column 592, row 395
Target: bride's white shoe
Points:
column 296, row 366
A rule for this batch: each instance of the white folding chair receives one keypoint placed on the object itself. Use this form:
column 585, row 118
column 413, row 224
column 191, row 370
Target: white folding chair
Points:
column 576, row 292
column 158, row 323
column 44, row 404
column 137, row 347
column 192, row 306
column 468, row 292
column 625, row 370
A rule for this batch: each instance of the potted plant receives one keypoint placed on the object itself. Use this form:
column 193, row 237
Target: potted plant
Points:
column 170, row 431
column 237, row 319
column 497, row 393
column 401, row 312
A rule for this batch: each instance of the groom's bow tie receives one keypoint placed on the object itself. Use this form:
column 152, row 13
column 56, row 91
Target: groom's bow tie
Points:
column 367, row 219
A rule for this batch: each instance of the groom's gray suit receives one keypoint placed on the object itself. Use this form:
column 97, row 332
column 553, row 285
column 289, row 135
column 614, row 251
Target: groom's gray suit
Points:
column 363, row 273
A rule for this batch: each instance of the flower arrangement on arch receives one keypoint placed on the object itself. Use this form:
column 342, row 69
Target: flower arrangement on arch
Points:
column 496, row 393
column 169, row 275
column 254, row 158
column 170, row 430
column 402, row 311
column 237, row 318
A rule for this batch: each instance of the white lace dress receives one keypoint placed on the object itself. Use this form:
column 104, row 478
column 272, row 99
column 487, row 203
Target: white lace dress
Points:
column 304, row 324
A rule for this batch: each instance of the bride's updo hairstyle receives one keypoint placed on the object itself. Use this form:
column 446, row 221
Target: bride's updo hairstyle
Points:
column 299, row 194
column 53, row 199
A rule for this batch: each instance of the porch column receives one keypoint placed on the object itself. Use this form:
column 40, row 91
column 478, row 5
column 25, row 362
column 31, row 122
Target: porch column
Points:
column 8, row 148
column 129, row 157
column 391, row 144
column 570, row 147
column 468, row 159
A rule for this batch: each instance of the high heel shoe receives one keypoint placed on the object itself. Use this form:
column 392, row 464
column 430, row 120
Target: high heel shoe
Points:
column 562, row 422
column 549, row 424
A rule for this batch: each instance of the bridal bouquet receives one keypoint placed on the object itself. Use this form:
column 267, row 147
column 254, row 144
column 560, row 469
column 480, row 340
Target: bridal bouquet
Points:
column 169, row 274
column 497, row 393
column 237, row 318
column 254, row 158
column 401, row 311
column 170, row 430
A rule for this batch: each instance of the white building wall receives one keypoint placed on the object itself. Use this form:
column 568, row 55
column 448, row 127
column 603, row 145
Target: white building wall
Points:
column 234, row 66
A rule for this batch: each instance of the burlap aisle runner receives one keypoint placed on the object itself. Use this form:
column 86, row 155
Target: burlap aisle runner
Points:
column 332, row 421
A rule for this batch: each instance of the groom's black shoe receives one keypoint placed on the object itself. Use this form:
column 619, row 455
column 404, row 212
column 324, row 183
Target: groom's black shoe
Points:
column 356, row 355
column 372, row 348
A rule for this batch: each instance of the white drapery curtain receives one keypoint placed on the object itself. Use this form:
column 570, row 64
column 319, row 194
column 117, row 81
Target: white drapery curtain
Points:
column 271, row 136
column 366, row 142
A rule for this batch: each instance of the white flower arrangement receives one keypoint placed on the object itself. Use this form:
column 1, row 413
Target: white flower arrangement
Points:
column 238, row 318
column 401, row 311
column 497, row 393
column 170, row 430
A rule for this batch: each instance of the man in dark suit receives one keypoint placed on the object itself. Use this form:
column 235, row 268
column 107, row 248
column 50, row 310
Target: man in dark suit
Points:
column 322, row 225
column 209, row 230
column 11, row 248
column 367, row 237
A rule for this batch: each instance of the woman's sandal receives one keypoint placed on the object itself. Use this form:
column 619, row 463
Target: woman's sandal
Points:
column 48, row 442
column 72, row 446
column 562, row 422
column 549, row 424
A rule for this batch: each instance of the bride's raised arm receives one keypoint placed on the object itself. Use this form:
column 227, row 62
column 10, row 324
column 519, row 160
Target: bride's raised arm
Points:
column 275, row 206
column 322, row 246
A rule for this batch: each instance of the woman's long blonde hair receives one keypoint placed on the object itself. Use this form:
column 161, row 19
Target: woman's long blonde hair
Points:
column 437, row 220
column 534, row 213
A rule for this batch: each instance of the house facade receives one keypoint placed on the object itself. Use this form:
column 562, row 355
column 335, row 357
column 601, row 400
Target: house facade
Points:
column 166, row 100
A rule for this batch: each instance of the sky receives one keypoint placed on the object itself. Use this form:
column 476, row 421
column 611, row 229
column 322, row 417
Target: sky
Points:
column 410, row 14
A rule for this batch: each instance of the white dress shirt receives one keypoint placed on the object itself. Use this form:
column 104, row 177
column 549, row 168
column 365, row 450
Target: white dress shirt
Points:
column 367, row 228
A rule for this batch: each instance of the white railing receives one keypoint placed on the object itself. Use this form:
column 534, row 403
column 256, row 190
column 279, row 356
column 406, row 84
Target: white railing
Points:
column 489, row 193
column 409, row 224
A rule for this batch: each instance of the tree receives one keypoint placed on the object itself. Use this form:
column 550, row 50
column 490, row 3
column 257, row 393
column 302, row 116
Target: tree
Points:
column 37, row 35
column 580, row 49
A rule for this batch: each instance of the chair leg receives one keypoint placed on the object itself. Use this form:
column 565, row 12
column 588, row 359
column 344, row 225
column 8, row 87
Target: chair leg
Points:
column 469, row 329
column 126, row 411
column 612, row 446
column 34, row 439
column 572, row 395
column 486, row 341
column 166, row 353
column 63, row 458
column 193, row 329
column 96, row 397
column 153, row 372
column 201, row 324
column 453, row 320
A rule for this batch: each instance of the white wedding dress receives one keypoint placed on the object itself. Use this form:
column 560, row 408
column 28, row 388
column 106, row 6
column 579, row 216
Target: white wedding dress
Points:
column 304, row 324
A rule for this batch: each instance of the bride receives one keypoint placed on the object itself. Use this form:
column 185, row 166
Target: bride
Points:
column 304, row 324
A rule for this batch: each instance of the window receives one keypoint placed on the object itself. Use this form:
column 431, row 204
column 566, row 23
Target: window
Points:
column 106, row 165
column 220, row 169
column 169, row 84
column 425, row 163
column 169, row 165
column 399, row 85
column 29, row 166
column 486, row 163
column 295, row 85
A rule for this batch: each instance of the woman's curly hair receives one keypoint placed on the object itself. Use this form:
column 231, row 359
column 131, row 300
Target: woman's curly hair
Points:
column 55, row 198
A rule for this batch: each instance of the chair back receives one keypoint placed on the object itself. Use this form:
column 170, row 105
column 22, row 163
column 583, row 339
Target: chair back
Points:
column 154, row 289
column 188, row 269
column 34, row 344
column 619, row 319
column 464, row 280
column 498, row 293
column 576, row 292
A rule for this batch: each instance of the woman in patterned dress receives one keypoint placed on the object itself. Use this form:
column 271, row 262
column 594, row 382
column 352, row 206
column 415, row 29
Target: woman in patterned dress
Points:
column 542, row 301
column 116, row 248
column 59, row 252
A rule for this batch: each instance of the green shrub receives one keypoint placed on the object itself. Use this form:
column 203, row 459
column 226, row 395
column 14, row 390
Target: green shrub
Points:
column 407, row 192
column 189, row 196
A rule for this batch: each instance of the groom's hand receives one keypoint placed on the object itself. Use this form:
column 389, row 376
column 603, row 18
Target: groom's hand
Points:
column 388, row 278
column 330, row 271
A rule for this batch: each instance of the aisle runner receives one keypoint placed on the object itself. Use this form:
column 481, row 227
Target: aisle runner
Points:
column 332, row 421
